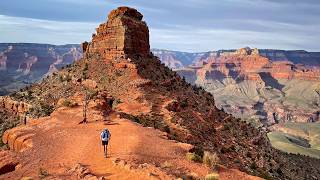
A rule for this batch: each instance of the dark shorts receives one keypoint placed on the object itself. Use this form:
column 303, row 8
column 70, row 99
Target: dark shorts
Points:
column 105, row 143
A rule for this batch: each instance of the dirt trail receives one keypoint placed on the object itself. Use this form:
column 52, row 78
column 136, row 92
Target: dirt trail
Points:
column 135, row 152
column 60, row 143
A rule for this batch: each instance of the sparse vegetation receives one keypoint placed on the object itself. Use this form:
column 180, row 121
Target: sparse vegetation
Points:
column 301, row 133
column 115, row 103
column 85, row 71
column 6, row 123
column 212, row 176
column 43, row 173
column 193, row 157
column 42, row 109
column 69, row 103
column 88, row 95
column 210, row 159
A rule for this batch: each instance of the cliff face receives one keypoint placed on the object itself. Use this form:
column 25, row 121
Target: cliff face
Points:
column 176, row 59
column 297, row 57
column 198, row 59
column 124, row 35
column 240, row 80
column 22, row 63
column 249, row 64
column 13, row 106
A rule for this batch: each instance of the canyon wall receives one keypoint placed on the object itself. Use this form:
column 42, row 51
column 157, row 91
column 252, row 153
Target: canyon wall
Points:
column 253, row 87
column 24, row 63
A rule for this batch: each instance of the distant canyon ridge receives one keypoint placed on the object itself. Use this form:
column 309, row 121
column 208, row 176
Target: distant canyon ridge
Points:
column 262, row 86
column 22, row 64
column 265, row 87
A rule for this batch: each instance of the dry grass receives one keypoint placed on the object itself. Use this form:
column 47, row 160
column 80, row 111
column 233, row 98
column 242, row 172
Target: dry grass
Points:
column 69, row 103
column 166, row 164
column 210, row 159
column 193, row 157
column 212, row 176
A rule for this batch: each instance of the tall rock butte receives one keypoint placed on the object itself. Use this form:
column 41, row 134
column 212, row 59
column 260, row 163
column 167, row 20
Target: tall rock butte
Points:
column 124, row 35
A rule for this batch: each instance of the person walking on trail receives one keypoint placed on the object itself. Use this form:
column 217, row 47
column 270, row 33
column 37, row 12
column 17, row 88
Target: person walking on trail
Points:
column 105, row 137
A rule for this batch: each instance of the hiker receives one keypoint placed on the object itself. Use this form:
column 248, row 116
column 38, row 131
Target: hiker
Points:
column 105, row 137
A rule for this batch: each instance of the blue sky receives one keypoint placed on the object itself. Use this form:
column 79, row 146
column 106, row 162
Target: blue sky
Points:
column 186, row 25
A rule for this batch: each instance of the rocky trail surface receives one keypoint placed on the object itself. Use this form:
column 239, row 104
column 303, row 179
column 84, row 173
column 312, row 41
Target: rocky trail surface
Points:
column 61, row 148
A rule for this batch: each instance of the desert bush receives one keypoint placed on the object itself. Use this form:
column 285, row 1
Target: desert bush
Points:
column 7, row 124
column 210, row 159
column 69, row 103
column 184, row 103
column 85, row 71
column 212, row 176
column 115, row 103
column 41, row 110
column 193, row 157
column 43, row 173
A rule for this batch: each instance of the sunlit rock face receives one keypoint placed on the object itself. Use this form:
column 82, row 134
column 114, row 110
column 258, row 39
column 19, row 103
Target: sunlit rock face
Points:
column 123, row 35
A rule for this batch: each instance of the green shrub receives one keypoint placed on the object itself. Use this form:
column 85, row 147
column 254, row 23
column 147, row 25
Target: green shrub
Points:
column 6, row 125
column 210, row 159
column 41, row 110
column 184, row 103
column 68, row 103
column 212, row 176
column 193, row 157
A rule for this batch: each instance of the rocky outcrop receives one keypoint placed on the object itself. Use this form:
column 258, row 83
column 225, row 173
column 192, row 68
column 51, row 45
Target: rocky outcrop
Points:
column 19, row 108
column 81, row 172
column 4, row 58
column 241, row 65
column 19, row 138
column 8, row 162
column 123, row 35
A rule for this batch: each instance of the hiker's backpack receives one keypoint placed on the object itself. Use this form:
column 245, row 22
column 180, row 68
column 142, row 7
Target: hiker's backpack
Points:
column 105, row 135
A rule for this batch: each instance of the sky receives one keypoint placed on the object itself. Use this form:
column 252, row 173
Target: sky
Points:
column 184, row 25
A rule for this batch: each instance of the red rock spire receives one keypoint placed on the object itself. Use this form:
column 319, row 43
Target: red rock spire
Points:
column 123, row 35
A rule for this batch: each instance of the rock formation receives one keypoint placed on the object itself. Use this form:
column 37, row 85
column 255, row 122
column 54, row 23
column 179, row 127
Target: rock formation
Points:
column 123, row 35
column 13, row 106
column 19, row 139
column 241, row 79
column 8, row 162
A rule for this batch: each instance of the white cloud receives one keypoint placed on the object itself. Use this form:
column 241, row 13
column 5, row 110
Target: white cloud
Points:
column 196, row 39
column 16, row 29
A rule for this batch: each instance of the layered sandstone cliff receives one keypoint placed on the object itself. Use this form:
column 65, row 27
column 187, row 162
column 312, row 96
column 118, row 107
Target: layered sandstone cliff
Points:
column 251, row 86
column 124, row 35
